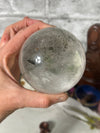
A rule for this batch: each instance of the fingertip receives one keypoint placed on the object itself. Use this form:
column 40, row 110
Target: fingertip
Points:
column 45, row 25
column 5, row 38
column 62, row 98
column 57, row 98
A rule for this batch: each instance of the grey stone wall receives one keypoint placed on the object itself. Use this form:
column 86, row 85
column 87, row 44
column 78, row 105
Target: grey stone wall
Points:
column 73, row 15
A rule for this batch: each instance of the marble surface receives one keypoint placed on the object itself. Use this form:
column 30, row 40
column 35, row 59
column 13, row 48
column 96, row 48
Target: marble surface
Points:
column 28, row 120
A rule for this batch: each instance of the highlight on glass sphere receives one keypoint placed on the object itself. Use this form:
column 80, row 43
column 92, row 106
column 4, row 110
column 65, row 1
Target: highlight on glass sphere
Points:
column 52, row 60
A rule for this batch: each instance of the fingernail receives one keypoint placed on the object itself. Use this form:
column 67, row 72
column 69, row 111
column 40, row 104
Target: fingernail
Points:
column 62, row 98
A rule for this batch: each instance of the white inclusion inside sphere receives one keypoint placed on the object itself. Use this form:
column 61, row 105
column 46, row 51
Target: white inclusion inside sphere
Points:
column 38, row 60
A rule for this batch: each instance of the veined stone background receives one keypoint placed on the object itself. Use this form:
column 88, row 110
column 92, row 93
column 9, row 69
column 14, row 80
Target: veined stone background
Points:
column 75, row 16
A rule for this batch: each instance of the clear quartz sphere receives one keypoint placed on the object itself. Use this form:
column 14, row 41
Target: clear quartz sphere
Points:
column 52, row 60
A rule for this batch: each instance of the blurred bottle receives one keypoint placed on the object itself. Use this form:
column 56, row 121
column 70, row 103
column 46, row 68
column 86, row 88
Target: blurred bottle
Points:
column 92, row 72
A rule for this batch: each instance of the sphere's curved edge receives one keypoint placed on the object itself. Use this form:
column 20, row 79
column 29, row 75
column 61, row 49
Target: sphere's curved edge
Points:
column 83, row 54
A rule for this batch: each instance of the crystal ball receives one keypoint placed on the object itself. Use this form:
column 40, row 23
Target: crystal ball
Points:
column 52, row 60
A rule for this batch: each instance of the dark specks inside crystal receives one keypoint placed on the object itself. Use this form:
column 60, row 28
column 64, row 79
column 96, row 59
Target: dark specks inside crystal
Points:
column 50, row 48
column 31, row 62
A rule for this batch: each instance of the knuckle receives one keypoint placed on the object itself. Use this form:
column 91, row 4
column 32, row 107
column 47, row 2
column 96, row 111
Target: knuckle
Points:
column 44, row 102
column 8, row 29
column 26, row 18
column 22, row 33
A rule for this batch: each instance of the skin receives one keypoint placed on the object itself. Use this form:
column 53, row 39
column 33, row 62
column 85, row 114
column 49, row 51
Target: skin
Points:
column 12, row 95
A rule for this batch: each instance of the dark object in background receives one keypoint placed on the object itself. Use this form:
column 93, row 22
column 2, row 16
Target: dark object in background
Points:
column 88, row 96
column 44, row 127
column 92, row 72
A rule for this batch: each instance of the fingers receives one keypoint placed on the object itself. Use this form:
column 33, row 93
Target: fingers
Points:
column 17, row 41
column 13, row 46
column 40, row 100
column 11, row 30
column 23, row 24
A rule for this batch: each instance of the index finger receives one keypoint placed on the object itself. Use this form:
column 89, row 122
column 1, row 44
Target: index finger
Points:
column 23, row 24
column 11, row 30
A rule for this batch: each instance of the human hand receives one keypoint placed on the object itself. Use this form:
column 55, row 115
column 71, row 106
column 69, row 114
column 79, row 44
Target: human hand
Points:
column 12, row 95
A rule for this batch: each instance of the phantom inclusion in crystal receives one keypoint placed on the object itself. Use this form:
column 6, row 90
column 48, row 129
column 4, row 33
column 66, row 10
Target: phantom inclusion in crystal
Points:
column 52, row 60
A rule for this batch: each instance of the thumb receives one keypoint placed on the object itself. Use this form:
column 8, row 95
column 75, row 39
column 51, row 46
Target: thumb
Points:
column 34, row 99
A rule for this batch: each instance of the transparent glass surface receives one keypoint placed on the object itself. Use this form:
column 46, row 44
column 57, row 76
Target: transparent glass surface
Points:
column 52, row 60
